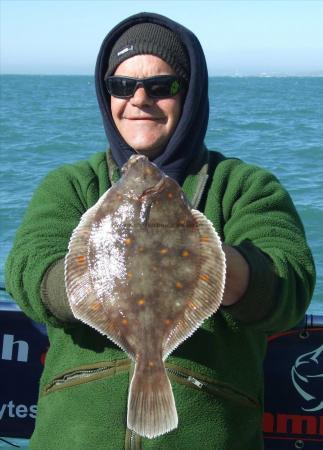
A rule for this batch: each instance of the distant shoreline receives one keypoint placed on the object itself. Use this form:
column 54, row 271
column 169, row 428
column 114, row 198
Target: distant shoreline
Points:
column 260, row 75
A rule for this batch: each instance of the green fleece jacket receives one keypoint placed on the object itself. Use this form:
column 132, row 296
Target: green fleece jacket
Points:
column 216, row 374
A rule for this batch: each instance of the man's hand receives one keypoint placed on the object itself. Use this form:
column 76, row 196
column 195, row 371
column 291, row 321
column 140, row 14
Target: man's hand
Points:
column 237, row 276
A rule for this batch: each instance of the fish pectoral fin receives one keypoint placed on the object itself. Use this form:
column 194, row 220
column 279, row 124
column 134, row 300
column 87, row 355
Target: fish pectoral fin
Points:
column 154, row 190
column 147, row 199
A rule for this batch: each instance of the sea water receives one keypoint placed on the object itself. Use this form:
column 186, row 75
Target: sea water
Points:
column 276, row 123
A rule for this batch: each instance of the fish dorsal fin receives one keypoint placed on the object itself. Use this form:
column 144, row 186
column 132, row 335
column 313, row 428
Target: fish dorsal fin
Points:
column 83, row 299
column 209, row 287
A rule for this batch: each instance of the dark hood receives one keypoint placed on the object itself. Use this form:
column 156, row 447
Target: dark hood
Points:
column 185, row 152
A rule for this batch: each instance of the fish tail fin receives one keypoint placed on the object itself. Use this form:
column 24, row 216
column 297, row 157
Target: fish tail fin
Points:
column 151, row 404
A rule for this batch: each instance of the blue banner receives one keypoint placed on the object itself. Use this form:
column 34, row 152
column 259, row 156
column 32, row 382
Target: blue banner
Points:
column 293, row 368
column 23, row 345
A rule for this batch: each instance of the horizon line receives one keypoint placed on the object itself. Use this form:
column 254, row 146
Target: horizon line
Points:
column 316, row 74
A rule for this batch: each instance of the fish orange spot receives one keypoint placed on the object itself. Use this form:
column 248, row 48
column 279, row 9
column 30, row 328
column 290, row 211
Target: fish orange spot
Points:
column 124, row 322
column 170, row 195
column 191, row 305
column 204, row 277
column 167, row 322
column 151, row 364
column 204, row 238
column 163, row 251
column 185, row 253
column 95, row 306
column 178, row 285
column 129, row 275
column 128, row 241
column 141, row 301
column 182, row 222
column 80, row 259
column 148, row 171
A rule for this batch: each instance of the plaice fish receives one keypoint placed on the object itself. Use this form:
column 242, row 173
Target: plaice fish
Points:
column 145, row 269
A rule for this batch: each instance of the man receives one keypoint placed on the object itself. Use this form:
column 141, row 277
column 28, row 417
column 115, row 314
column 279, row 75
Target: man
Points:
column 151, row 82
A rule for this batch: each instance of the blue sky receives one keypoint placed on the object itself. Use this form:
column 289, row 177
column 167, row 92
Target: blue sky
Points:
column 238, row 37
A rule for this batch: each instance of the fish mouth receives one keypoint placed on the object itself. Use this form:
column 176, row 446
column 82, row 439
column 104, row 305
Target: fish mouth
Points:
column 134, row 160
column 144, row 167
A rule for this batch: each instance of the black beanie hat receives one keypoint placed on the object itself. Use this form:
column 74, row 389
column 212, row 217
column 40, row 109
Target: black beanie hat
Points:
column 152, row 39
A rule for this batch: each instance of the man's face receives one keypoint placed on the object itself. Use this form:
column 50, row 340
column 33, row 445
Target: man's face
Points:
column 145, row 123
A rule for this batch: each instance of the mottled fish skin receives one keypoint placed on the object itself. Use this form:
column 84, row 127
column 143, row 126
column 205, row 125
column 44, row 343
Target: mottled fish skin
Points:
column 145, row 269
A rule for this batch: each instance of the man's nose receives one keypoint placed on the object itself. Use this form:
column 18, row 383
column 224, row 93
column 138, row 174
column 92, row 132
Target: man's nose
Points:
column 141, row 98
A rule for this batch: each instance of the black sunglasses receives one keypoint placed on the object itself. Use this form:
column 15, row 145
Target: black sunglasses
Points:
column 161, row 86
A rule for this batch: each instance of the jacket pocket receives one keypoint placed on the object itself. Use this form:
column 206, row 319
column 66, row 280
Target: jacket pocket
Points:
column 214, row 387
column 83, row 408
column 194, row 380
column 86, row 374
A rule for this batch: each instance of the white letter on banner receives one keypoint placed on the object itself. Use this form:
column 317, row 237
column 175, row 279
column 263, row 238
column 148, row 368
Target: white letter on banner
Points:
column 7, row 348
